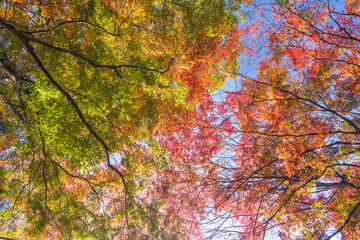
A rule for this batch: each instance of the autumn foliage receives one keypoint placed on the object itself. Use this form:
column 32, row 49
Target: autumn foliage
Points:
column 279, row 155
column 114, row 123
column 84, row 85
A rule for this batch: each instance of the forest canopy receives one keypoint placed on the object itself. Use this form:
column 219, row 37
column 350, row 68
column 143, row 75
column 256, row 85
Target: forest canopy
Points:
column 182, row 119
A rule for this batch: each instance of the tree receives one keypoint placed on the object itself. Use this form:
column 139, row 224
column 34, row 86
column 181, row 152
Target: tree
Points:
column 281, row 151
column 84, row 84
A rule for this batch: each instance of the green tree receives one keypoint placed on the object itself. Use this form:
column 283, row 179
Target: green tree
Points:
column 84, row 84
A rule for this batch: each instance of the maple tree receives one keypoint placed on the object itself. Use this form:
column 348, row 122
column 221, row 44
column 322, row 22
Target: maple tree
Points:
column 84, row 84
column 107, row 124
column 281, row 152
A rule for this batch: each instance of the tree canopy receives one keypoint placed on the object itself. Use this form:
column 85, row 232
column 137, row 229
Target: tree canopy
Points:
column 114, row 123
column 84, row 84
column 280, row 154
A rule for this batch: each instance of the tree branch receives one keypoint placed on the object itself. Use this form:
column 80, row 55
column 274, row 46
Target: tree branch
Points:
column 345, row 223
column 38, row 62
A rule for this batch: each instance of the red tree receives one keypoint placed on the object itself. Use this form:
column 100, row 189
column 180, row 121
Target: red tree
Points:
column 281, row 152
